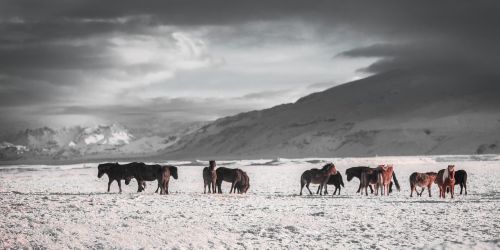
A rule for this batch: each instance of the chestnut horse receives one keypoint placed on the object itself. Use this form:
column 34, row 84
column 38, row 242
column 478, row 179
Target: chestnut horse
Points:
column 209, row 178
column 166, row 172
column 446, row 179
column 384, row 176
column 422, row 180
column 317, row 176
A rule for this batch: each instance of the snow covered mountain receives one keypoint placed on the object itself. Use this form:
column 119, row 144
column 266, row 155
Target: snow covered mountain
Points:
column 395, row 113
column 78, row 142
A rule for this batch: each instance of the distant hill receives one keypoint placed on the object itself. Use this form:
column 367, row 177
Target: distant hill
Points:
column 84, row 143
column 395, row 113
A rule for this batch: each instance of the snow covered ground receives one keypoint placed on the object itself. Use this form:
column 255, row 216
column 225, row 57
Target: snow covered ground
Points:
column 60, row 207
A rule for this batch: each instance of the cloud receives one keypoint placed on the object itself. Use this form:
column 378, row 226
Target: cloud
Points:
column 98, row 59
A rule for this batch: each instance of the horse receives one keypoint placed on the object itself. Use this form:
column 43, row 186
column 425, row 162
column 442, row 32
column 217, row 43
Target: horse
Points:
column 422, row 180
column 317, row 176
column 244, row 184
column 461, row 179
column 446, row 179
column 384, row 177
column 166, row 172
column 232, row 175
column 356, row 172
column 143, row 172
column 335, row 180
column 209, row 178
column 369, row 176
column 115, row 172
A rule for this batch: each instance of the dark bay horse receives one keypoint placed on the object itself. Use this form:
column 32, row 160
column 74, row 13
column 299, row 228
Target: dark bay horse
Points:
column 209, row 178
column 317, row 176
column 337, row 181
column 461, row 179
column 143, row 172
column 232, row 175
column 422, row 180
column 115, row 172
column 446, row 180
column 356, row 172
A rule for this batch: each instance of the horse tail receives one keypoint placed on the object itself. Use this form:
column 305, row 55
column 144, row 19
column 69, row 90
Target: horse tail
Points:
column 396, row 181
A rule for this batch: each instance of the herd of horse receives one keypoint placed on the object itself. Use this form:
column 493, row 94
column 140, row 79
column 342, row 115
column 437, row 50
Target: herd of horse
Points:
column 378, row 179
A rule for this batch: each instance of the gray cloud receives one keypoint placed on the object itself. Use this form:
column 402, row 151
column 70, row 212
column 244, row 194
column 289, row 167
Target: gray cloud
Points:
column 99, row 58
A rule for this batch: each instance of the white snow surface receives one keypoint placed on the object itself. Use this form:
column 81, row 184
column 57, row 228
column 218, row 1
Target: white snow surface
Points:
column 58, row 207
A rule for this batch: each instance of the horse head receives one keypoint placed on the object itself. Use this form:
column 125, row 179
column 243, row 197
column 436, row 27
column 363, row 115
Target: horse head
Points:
column 104, row 168
column 128, row 179
column 332, row 170
column 173, row 172
column 349, row 174
column 211, row 165
column 451, row 172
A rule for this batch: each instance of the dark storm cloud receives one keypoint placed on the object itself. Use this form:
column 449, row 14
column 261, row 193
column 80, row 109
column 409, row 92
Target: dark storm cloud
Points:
column 49, row 48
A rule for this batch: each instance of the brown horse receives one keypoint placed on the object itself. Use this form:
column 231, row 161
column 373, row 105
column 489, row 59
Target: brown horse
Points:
column 384, row 177
column 244, row 184
column 446, row 179
column 166, row 172
column 209, row 178
column 368, row 177
column 317, row 176
column 422, row 180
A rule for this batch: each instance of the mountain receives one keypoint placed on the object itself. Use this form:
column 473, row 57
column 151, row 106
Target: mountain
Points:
column 394, row 113
column 96, row 142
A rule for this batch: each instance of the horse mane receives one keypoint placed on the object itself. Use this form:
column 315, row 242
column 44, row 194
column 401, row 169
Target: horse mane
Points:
column 327, row 166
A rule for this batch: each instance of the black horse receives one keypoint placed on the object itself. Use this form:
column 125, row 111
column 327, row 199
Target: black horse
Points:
column 143, row 172
column 115, row 172
column 232, row 175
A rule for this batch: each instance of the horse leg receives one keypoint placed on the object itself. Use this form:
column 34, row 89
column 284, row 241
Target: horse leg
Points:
column 307, row 186
column 452, row 191
column 359, row 188
column 317, row 192
column 465, row 187
column 371, row 188
column 429, row 188
column 412, row 187
column 205, row 188
column 109, row 184
column 119, row 185
column 461, row 187
column 326, row 189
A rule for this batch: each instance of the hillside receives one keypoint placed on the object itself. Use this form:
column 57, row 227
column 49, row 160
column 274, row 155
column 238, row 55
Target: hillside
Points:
column 395, row 113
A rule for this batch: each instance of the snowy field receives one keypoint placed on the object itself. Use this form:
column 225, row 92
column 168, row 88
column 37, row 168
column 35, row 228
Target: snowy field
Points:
column 59, row 207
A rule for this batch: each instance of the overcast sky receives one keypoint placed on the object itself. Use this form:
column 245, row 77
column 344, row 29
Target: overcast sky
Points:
column 66, row 63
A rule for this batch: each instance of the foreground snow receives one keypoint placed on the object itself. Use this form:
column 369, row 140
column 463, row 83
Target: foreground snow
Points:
column 66, row 206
